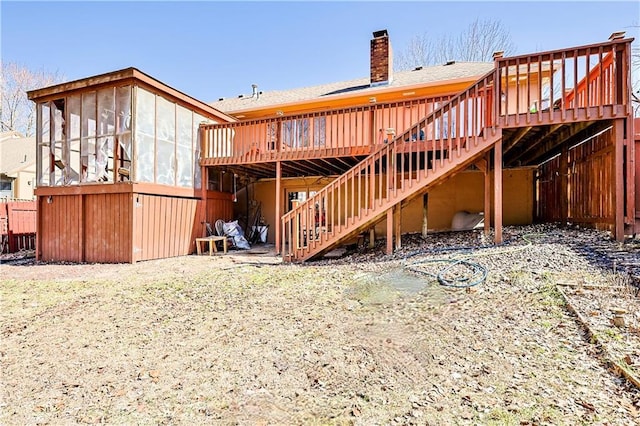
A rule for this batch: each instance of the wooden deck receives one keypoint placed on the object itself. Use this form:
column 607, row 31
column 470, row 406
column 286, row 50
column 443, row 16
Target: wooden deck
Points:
column 565, row 86
column 526, row 111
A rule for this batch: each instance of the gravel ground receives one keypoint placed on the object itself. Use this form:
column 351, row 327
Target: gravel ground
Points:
column 364, row 339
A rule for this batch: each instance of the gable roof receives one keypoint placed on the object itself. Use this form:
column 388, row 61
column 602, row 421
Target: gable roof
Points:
column 425, row 76
column 16, row 152
column 127, row 74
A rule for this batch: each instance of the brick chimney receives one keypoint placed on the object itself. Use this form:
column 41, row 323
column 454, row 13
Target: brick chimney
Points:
column 381, row 59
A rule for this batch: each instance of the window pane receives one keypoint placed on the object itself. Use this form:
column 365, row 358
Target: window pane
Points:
column 144, row 136
column 197, row 175
column 88, row 143
column 145, row 112
column 123, row 108
column 58, row 144
column 73, row 108
column 166, row 119
column 45, row 150
column 74, row 105
column 123, row 113
column 104, row 158
column 184, row 159
column 166, row 135
column 106, row 127
column 106, row 110
column 166, row 161
column 144, row 160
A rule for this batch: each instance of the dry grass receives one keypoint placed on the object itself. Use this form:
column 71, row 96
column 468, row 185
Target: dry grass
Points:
column 237, row 340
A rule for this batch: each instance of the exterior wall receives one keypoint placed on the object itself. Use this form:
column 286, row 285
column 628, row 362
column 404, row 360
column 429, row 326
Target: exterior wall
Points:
column 23, row 186
column 464, row 191
column 163, row 226
column 59, row 234
column 117, row 224
column 518, row 96
column 84, row 228
column 107, row 228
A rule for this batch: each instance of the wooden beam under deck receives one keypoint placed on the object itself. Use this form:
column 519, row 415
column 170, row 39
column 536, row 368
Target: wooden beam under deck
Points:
column 521, row 133
column 542, row 138
column 552, row 146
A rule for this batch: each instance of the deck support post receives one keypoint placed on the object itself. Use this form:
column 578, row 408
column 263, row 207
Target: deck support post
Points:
column 398, row 225
column 372, row 237
column 204, row 175
column 497, row 191
column 389, row 231
column 632, row 176
column 618, row 180
column 425, row 209
column 564, row 185
column 278, row 206
column 487, row 195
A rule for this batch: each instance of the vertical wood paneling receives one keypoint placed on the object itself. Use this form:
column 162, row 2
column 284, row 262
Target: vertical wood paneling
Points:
column 219, row 206
column 59, row 233
column 121, row 226
column 589, row 190
column 137, row 235
column 165, row 227
column 108, row 227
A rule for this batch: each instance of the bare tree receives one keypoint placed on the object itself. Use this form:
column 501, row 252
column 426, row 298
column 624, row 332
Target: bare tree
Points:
column 17, row 112
column 474, row 44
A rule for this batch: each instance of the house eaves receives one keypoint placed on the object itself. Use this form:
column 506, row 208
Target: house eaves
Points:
column 426, row 81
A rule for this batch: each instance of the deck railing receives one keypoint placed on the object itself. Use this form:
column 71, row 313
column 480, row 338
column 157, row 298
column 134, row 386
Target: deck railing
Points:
column 444, row 139
column 331, row 133
column 569, row 84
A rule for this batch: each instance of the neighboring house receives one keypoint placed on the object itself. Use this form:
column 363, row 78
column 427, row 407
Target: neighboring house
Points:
column 17, row 166
column 129, row 169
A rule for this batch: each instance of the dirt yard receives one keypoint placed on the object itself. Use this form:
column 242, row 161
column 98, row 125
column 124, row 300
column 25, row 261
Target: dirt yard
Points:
column 365, row 339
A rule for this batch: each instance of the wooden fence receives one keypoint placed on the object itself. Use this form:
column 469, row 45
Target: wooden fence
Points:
column 17, row 225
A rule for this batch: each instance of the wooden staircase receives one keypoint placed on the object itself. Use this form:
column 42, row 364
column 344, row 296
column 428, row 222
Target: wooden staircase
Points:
column 444, row 142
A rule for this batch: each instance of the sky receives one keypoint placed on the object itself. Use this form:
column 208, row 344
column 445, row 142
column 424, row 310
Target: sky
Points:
column 210, row 49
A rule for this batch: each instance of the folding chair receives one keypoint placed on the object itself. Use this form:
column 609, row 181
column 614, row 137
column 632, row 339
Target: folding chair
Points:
column 220, row 232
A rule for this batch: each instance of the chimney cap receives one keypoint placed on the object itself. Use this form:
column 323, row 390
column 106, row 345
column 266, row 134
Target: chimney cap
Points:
column 380, row 33
column 617, row 35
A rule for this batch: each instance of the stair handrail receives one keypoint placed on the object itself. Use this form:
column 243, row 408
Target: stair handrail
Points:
column 366, row 167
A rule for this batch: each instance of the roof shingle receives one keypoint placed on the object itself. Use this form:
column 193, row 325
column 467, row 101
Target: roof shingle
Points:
column 425, row 75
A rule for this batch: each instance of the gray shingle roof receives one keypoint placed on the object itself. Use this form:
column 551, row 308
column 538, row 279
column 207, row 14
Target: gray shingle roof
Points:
column 16, row 152
column 426, row 75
